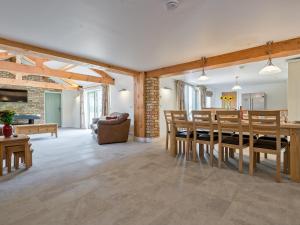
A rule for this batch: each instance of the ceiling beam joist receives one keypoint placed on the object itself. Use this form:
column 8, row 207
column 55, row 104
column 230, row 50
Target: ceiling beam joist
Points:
column 44, row 71
column 28, row 49
column 104, row 75
column 37, row 84
column 279, row 49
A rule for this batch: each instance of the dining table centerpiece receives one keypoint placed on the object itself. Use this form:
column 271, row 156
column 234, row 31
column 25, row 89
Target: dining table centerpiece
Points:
column 227, row 101
column 6, row 117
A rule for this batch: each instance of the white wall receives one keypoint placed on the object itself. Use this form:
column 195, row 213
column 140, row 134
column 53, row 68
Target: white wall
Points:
column 294, row 91
column 122, row 101
column 276, row 94
column 167, row 100
column 70, row 109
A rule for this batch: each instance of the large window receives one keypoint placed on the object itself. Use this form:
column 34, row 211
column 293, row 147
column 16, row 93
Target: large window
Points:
column 192, row 99
column 94, row 104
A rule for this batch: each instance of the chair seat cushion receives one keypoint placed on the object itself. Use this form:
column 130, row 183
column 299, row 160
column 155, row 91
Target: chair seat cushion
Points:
column 267, row 144
column 183, row 134
column 206, row 137
column 234, row 140
column 202, row 132
column 272, row 138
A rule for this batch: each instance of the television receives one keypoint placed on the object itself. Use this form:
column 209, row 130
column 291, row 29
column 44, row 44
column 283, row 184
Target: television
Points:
column 12, row 95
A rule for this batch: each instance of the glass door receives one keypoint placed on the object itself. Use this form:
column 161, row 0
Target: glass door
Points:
column 94, row 105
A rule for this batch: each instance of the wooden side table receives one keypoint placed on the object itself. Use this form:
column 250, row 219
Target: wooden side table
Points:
column 14, row 141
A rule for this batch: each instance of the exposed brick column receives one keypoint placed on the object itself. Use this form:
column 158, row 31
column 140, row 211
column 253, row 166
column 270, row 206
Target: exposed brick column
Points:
column 152, row 107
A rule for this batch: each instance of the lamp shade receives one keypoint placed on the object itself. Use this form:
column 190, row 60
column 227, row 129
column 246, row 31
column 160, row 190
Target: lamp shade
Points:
column 269, row 69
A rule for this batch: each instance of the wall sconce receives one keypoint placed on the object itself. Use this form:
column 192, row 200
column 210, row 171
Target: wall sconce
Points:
column 123, row 90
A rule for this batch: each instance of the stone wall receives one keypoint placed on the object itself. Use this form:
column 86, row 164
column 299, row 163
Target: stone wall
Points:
column 36, row 101
column 152, row 107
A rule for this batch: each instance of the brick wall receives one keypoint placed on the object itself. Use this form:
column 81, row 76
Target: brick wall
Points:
column 152, row 107
column 36, row 101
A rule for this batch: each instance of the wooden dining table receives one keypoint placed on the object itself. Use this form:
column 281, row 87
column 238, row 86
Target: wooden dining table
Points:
column 288, row 129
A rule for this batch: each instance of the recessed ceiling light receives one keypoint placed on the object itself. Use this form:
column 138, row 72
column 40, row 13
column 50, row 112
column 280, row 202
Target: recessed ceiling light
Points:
column 172, row 4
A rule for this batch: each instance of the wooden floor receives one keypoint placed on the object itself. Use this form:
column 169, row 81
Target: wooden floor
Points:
column 75, row 181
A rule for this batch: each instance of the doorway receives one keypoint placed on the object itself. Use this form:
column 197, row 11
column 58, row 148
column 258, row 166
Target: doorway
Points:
column 53, row 107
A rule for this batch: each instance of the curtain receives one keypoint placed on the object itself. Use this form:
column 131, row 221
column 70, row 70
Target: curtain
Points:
column 180, row 95
column 105, row 100
column 203, row 90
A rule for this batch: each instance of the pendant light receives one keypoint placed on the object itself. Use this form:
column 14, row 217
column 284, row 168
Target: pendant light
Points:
column 237, row 86
column 270, row 68
column 203, row 76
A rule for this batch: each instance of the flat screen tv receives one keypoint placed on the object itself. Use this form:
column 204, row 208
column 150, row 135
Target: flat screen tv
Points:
column 12, row 95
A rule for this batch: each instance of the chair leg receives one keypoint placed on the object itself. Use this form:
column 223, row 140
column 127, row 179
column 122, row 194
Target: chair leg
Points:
column 180, row 147
column 220, row 154
column 211, row 159
column 278, row 161
column 251, row 160
column 201, row 151
column 187, row 149
column 167, row 141
column 231, row 153
column 194, row 151
column 266, row 155
column 241, row 160
column 258, row 157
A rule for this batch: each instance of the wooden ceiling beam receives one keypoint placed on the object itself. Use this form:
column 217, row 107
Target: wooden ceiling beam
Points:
column 28, row 49
column 44, row 71
column 104, row 75
column 37, row 84
column 279, row 49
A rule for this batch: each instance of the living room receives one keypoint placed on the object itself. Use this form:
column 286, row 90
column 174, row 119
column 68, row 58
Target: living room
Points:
column 149, row 112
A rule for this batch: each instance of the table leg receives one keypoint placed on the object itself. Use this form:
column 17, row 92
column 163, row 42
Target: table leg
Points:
column 295, row 155
column 1, row 160
column 26, row 155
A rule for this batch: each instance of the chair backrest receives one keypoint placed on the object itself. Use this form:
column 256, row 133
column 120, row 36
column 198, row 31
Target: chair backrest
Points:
column 178, row 118
column 230, row 121
column 168, row 118
column 202, row 120
column 265, row 123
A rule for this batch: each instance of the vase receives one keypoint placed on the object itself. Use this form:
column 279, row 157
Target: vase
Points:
column 7, row 130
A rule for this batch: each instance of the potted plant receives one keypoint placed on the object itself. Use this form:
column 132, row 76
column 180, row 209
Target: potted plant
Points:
column 6, row 117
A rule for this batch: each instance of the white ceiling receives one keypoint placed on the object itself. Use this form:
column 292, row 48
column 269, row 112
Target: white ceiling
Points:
column 248, row 74
column 142, row 34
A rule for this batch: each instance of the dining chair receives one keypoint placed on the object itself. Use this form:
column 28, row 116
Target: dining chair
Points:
column 183, row 132
column 203, row 134
column 168, row 118
column 230, row 121
column 267, row 123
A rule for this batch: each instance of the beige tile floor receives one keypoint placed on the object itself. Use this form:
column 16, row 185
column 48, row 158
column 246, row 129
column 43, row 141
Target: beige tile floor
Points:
column 75, row 181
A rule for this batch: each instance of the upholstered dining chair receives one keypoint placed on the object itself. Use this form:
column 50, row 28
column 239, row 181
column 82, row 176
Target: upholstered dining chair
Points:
column 230, row 121
column 203, row 134
column 183, row 132
column 168, row 118
column 267, row 123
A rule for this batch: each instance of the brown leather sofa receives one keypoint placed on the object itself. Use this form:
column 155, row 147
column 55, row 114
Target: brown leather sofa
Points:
column 112, row 129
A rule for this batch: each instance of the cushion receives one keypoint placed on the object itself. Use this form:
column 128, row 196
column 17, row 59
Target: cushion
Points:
column 272, row 138
column 183, row 134
column 234, row 140
column 206, row 137
column 268, row 144
column 111, row 117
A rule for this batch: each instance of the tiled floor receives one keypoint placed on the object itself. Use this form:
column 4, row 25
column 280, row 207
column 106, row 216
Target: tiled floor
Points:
column 75, row 181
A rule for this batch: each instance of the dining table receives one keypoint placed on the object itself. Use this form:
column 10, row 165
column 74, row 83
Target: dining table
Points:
column 291, row 129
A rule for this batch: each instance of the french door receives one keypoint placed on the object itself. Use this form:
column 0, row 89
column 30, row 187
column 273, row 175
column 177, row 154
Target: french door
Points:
column 94, row 104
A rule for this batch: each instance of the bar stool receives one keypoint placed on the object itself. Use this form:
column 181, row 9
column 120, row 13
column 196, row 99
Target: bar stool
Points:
column 183, row 132
column 267, row 123
column 203, row 133
column 231, row 121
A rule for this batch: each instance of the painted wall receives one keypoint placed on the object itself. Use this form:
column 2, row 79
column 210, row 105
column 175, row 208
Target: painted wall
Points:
column 276, row 94
column 70, row 109
column 294, row 91
column 122, row 101
column 167, row 101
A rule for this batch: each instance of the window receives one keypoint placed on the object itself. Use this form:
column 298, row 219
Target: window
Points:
column 208, row 100
column 94, row 104
column 192, row 99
